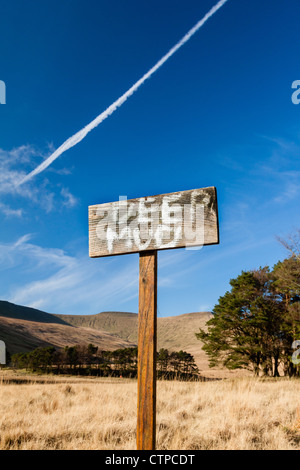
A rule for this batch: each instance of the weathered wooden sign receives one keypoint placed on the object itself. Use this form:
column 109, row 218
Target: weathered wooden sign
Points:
column 183, row 219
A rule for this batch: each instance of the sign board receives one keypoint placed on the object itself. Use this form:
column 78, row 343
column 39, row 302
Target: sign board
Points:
column 2, row 353
column 185, row 219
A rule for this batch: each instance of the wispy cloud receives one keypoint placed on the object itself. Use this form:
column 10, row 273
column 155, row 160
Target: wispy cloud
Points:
column 269, row 179
column 14, row 165
column 283, row 147
column 290, row 186
column 279, row 170
column 9, row 212
column 31, row 256
column 68, row 199
column 53, row 280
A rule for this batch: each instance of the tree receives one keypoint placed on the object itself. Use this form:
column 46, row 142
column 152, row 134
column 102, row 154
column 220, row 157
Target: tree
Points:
column 292, row 244
column 163, row 359
column 19, row 360
column 286, row 276
column 91, row 353
column 71, row 356
column 181, row 362
column 124, row 360
column 286, row 279
column 245, row 329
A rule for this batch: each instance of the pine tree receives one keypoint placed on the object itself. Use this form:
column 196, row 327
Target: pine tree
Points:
column 286, row 279
column 245, row 329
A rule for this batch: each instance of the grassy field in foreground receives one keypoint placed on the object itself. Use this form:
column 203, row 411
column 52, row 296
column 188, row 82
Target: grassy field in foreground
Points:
column 101, row 414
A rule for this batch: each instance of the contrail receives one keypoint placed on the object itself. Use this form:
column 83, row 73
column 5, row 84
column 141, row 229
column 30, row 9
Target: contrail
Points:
column 76, row 138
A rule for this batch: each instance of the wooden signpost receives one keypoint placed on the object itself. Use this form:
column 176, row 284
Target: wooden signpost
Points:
column 187, row 219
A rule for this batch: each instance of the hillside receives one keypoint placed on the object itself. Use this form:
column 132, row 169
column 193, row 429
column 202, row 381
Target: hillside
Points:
column 23, row 335
column 19, row 312
column 122, row 324
column 174, row 333
column 24, row 329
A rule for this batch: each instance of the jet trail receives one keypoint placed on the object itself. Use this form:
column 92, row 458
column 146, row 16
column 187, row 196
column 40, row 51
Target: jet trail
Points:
column 76, row 138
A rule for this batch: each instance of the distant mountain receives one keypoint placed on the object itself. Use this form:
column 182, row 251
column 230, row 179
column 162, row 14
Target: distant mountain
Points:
column 174, row 333
column 18, row 312
column 122, row 324
column 24, row 329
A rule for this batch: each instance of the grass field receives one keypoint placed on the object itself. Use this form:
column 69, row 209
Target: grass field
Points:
column 101, row 414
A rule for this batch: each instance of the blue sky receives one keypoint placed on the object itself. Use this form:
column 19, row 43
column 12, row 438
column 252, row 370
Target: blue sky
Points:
column 218, row 113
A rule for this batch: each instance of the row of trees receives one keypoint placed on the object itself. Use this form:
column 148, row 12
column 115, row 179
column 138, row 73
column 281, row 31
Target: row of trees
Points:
column 176, row 363
column 90, row 360
column 255, row 325
column 79, row 359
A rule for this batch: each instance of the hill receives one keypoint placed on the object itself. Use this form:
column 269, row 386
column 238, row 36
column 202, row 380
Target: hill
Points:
column 19, row 312
column 24, row 329
column 173, row 333
column 122, row 324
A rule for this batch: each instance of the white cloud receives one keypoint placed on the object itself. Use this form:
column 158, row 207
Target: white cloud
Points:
column 14, row 165
column 68, row 199
column 9, row 212
column 55, row 281
column 286, row 183
column 30, row 256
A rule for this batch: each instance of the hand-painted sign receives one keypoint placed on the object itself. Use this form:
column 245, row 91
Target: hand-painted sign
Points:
column 183, row 219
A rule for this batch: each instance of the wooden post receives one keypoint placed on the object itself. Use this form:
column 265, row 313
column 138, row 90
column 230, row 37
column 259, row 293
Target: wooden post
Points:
column 147, row 348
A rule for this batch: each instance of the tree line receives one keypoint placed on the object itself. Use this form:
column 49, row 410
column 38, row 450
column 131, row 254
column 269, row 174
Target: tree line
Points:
column 90, row 360
column 256, row 324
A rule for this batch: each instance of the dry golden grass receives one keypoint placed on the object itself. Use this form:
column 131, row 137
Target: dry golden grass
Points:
column 101, row 414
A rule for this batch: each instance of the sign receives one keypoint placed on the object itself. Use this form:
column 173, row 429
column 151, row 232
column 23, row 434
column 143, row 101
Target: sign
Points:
column 186, row 219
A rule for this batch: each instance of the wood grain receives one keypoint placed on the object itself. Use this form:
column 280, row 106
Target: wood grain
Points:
column 147, row 347
column 175, row 220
